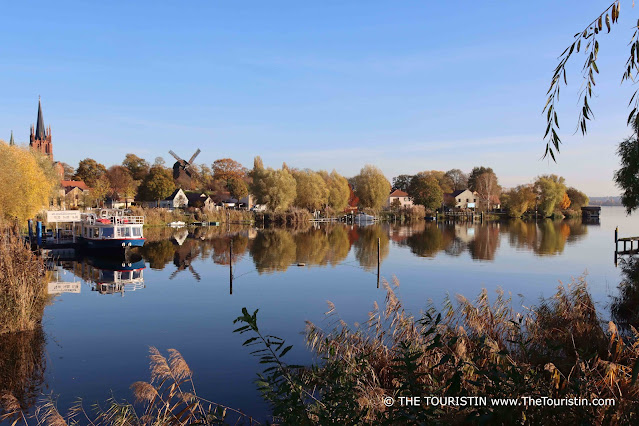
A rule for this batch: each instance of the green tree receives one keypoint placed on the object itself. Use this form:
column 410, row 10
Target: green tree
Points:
column 257, row 176
column 550, row 190
column 402, row 182
column 312, row 192
column 445, row 182
column 158, row 184
column 279, row 189
column 138, row 167
column 372, row 187
column 474, row 175
column 425, row 190
column 89, row 171
column 627, row 177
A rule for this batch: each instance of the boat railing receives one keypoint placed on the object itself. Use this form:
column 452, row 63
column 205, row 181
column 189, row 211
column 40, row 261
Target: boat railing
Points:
column 136, row 220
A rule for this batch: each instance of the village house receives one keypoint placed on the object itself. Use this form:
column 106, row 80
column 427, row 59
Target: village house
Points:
column 200, row 200
column 176, row 200
column 74, row 193
column 461, row 199
column 401, row 197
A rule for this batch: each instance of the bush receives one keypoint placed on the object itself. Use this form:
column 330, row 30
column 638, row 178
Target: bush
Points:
column 23, row 292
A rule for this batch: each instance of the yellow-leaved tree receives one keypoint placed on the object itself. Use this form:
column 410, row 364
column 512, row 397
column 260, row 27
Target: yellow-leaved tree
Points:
column 26, row 183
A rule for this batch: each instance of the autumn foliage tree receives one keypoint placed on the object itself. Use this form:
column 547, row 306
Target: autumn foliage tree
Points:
column 121, row 182
column 89, row 171
column 25, row 188
column 425, row 190
column 158, row 184
column 311, row 190
column 138, row 167
column 338, row 190
column 371, row 187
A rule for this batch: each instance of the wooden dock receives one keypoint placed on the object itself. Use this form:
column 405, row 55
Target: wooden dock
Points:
column 627, row 241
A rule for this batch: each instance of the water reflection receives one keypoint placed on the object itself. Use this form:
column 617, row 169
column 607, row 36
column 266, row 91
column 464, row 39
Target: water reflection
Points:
column 625, row 306
column 109, row 275
column 22, row 366
column 276, row 249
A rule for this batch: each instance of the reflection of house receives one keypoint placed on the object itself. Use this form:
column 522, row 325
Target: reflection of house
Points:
column 74, row 192
column 399, row 196
column 461, row 199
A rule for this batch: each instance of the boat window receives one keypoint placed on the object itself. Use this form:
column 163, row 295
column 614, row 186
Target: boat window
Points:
column 127, row 232
column 120, row 231
column 107, row 275
column 96, row 232
column 136, row 232
column 107, row 232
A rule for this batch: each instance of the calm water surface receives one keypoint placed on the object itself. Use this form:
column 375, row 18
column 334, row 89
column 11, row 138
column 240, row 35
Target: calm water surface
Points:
column 97, row 343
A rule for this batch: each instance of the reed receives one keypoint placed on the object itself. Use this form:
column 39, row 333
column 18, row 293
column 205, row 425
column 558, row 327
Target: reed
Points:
column 22, row 283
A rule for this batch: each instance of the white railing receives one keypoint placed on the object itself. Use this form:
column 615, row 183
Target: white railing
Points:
column 135, row 220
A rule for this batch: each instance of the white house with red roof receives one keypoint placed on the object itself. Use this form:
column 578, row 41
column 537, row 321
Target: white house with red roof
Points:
column 401, row 196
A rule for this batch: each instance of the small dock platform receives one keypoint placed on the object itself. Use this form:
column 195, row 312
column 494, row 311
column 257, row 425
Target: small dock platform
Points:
column 629, row 246
column 591, row 212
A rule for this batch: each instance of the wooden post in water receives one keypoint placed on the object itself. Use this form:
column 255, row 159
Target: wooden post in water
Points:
column 231, row 266
column 379, row 243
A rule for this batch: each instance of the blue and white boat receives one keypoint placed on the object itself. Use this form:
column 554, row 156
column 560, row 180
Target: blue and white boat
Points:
column 110, row 229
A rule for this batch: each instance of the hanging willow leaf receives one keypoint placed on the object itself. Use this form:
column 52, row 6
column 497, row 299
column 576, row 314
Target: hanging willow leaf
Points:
column 600, row 23
column 608, row 22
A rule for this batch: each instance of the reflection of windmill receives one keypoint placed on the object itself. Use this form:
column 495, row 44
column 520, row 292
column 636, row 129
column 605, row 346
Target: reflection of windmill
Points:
column 184, row 167
column 183, row 257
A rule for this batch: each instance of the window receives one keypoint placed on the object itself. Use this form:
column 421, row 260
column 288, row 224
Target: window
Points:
column 459, row 200
column 107, row 232
column 467, row 200
column 137, row 232
column 96, row 232
column 127, row 231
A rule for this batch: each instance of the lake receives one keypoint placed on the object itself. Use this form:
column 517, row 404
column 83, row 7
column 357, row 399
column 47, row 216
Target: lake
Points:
column 179, row 294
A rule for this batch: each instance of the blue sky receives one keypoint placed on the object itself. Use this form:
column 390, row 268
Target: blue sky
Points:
column 407, row 86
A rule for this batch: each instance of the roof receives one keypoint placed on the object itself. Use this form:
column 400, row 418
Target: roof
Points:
column 174, row 194
column 196, row 196
column 398, row 193
column 74, row 184
column 40, row 133
column 456, row 193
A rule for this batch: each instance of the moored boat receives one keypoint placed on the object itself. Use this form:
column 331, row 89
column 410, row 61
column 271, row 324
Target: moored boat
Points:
column 110, row 229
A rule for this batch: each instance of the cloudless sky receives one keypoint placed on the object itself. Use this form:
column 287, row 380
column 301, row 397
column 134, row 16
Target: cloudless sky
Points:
column 407, row 86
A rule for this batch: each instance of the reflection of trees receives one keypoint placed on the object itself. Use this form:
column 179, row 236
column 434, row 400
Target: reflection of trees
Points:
column 430, row 240
column 158, row 253
column 222, row 248
column 22, row 365
column 338, row 243
column 545, row 237
column 366, row 245
column 625, row 306
column 273, row 249
column 485, row 243
column 311, row 247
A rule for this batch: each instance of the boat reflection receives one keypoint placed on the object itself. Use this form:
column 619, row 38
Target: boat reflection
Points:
column 109, row 275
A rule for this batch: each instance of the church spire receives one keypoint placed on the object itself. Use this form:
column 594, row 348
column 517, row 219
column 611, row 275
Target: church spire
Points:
column 11, row 142
column 40, row 130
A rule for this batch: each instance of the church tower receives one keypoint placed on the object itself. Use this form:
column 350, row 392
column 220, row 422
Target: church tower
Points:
column 40, row 139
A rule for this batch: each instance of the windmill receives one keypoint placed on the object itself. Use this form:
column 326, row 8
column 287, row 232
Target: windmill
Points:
column 184, row 167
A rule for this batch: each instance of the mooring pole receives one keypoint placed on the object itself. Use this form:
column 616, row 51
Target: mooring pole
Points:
column 378, row 259
column 231, row 266
column 616, row 237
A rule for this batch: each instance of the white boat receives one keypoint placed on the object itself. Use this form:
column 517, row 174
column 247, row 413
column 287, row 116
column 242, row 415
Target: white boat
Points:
column 177, row 224
column 363, row 217
column 110, row 229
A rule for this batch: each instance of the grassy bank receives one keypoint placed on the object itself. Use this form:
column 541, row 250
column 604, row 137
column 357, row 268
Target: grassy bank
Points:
column 161, row 217
column 23, row 293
